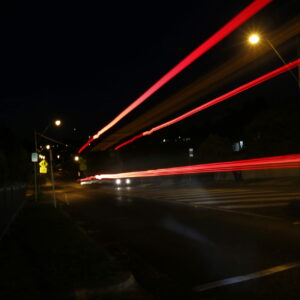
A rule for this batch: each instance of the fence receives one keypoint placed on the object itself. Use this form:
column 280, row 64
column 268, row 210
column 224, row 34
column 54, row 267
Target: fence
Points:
column 12, row 198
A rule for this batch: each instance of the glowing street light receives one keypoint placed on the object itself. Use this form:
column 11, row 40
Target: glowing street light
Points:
column 47, row 147
column 254, row 38
column 57, row 123
column 76, row 158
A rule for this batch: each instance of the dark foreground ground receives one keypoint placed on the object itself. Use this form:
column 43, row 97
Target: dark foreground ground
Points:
column 44, row 255
column 208, row 241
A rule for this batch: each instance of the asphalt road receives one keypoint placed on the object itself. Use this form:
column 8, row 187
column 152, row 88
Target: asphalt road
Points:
column 235, row 241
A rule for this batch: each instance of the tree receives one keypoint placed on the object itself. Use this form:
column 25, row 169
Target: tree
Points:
column 274, row 132
column 215, row 149
column 14, row 160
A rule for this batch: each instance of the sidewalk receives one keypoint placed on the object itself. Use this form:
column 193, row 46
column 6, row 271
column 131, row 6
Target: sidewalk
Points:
column 46, row 256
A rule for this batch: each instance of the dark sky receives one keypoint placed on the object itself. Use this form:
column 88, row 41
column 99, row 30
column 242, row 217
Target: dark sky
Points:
column 84, row 62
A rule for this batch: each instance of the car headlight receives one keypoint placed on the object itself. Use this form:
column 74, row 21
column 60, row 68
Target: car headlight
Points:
column 128, row 181
column 118, row 181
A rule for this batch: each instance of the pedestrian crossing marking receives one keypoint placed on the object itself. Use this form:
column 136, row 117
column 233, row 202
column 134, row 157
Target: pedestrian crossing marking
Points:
column 226, row 198
column 241, row 206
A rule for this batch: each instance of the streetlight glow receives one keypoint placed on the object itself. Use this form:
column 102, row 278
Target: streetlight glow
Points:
column 57, row 122
column 254, row 38
column 47, row 147
column 76, row 158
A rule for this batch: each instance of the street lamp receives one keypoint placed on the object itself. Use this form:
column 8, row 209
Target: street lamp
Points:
column 48, row 147
column 254, row 39
column 76, row 158
column 57, row 123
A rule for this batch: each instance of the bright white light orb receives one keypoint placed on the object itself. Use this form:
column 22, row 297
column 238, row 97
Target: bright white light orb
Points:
column 57, row 122
column 254, row 39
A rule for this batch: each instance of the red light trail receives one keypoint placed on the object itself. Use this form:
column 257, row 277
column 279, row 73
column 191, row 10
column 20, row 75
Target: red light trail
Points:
column 233, row 24
column 273, row 162
column 219, row 99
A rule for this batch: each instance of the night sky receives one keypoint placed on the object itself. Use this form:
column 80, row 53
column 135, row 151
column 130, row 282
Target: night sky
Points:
column 85, row 62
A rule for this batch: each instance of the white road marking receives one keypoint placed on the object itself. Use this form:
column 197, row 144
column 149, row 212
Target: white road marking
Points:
column 186, row 197
column 242, row 278
column 265, row 199
column 225, row 199
column 254, row 205
column 180, row 193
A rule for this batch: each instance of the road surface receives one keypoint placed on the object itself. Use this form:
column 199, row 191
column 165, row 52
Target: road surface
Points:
column 228, row 241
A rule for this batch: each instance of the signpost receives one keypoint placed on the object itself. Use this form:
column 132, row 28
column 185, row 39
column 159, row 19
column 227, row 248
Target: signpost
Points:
column 35, row 160
column 43, row 166
column 34, row 157
column 35, row 167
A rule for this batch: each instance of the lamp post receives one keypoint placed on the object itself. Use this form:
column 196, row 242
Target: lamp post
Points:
column 255, row 38
column 57, row 123
column 48, row 147
column 77, row 160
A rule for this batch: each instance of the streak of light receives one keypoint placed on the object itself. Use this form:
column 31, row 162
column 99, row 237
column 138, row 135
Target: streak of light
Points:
column 217, row 78
column 273, row 162
column 217, row 100
column 228, row 28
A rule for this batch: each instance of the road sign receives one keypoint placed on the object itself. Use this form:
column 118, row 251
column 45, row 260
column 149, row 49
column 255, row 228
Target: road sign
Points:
column 34, row 157
column 43, row 166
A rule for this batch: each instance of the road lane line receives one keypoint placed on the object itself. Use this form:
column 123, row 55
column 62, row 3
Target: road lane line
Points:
column 195, row 192
column 242, row 278
column 265, row 199
column 186, row 197
column 239, row 206
column 209, row 200
column 227, row 194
